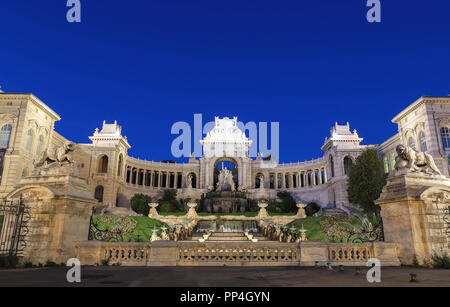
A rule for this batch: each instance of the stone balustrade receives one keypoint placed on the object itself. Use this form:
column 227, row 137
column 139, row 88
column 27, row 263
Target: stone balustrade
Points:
column 170, row 253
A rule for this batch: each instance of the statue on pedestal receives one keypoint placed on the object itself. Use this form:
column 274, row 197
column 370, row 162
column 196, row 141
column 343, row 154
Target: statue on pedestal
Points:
column 414, row 161
column 55, row 160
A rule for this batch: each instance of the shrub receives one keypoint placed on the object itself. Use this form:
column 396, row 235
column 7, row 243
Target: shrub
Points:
column 170, row 197
column 288, row 203
column 139, row 204
column 8, row 261
column 440, row 261
column 50, row 264
column 312, row 208
column 165, row 207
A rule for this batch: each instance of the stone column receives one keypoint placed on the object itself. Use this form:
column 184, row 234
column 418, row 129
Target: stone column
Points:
column 413, row 208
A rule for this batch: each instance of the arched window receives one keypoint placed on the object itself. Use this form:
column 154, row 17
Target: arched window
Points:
column 347, row 165
column 99, row 193
column 423, row 141
column 24, row 173
column 40, row 145
column 119, row 167
column 411, row 143
column 332, row 166
column 445, row 136
column 392, row 160
column 5, row 135
column 386, row 165
column 29, row 140
column 103, row 164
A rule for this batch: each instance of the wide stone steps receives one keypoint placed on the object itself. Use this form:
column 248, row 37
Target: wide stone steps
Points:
column 228, row 237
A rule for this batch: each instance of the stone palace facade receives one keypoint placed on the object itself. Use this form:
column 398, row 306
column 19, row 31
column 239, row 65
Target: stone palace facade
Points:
column 27, row 129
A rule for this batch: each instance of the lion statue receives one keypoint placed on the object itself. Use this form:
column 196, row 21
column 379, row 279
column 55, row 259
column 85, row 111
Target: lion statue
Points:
column 415, row 161
column 60, row 155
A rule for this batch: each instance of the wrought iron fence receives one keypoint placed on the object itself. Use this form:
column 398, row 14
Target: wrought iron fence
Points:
column 14, row 227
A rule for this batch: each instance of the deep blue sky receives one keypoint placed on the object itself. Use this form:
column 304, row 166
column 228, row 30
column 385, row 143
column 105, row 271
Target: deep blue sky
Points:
column 149, row 63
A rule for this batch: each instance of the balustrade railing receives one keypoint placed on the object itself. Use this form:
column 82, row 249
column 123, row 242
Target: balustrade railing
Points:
column 194, row 254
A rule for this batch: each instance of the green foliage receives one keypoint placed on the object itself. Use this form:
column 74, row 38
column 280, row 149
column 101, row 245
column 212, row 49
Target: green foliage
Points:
column 288, row 203
column 8, row 261
column 50, row 264
column 170, row 199
column 366, row 181
column 312, row 208
column 440, row 261
column 105, row 262
column 274, row 207
column 330, row 229
column 139, row 204
column 165, row 207
column 141, row 230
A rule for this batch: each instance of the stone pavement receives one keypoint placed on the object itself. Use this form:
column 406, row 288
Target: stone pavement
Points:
column 222, row 277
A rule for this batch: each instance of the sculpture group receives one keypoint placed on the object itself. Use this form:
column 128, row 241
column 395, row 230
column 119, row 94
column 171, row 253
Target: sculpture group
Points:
column 408, row 158
column 225, row 178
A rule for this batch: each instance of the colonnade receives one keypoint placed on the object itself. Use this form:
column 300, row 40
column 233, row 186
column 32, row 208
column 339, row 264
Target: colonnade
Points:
column 300, row 179
column 158, row 179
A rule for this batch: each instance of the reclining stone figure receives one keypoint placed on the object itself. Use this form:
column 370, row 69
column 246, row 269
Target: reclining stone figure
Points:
column 60, row 155
column 414, row 161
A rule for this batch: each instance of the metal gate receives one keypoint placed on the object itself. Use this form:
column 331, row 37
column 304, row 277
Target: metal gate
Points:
column 14, row 218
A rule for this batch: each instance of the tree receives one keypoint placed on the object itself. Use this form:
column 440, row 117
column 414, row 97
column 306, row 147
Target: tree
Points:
column 366, row 180
column 139, row 204
column 288, row 203
column 170, row 198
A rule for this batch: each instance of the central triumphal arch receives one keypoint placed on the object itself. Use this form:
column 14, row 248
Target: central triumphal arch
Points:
column 225, row 147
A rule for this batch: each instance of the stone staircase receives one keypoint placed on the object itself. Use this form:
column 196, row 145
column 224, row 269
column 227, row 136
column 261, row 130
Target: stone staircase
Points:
column 227, row 237
column 331, row 212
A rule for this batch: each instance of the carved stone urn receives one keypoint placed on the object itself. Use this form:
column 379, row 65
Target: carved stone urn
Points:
column 262, row 210
column 153, row 213
column 301, row 214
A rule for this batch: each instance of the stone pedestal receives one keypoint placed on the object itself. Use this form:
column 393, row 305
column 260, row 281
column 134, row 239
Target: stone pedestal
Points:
column 61, row 207
column 413, row 209
column 163, row 253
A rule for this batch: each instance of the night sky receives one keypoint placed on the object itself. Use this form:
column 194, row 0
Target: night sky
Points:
column 148, row 64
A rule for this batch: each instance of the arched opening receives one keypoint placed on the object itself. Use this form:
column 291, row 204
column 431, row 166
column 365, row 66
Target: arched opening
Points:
column 445, row 136
column 332, row 166
column 191, row 180
column 103, row 164
column 98, row 195
column 128, row 174
column 259, row 178
column 133, row 176
column 228, row 164
column 29, row 140
column 24, row 172
column 385, row 165
column 119, row 166
column 412, row 143
column 5, row 135
column 40, row 144
column 348, row 162
column 423, row 141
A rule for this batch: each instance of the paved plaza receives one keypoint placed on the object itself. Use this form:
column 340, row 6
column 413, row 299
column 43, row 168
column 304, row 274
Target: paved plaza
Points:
column 223, row 277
